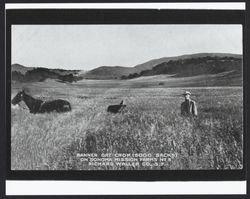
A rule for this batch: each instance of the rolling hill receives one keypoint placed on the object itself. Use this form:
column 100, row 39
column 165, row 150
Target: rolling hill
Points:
column 152, row 63
column 118, row 72
column 196, row 66
column 22, row 73
column 173, row 67
column 20, row 68
column 108, row 72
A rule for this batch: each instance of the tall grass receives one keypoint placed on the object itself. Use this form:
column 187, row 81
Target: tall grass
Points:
column 151, row 123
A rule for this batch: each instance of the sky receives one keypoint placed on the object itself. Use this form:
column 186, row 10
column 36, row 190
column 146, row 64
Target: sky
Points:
column 86, row 47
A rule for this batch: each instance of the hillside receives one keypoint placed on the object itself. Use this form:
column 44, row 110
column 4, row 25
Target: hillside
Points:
column 30, row 74
column 20, row 68
column 108, row 72
column 196, row 66
column 118, row 72
column 176, row 67
column 150, row 64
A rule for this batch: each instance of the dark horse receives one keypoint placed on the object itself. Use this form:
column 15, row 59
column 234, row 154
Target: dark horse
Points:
column 39, row 106
column 116, row 108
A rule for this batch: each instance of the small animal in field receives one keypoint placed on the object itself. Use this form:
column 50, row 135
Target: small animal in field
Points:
column 40, row 106
column 116, row 108
column 90, row 141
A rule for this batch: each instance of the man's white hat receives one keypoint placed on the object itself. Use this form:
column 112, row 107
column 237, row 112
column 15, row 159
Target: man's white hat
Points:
column 186, row 93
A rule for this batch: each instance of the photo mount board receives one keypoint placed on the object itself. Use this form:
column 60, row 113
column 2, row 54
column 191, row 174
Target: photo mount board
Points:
column 120, row 16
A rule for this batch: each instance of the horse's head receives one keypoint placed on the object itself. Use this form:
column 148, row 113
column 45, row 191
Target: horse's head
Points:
column 18, row 98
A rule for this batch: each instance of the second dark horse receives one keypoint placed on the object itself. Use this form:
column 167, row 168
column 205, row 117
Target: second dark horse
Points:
column 39, row 106
column 116, row 108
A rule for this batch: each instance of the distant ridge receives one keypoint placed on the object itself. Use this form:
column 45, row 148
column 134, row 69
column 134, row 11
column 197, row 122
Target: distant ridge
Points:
column 194, row 66
column 108, row 72
column 20, row 68
column 22, row 73
column 179, row 66
column 117, row 72
column 150, row 64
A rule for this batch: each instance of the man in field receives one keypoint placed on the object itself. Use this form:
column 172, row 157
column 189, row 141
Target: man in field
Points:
column 188, row 107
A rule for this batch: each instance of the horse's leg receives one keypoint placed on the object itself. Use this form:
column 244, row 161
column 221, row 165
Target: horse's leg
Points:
column 42, row 108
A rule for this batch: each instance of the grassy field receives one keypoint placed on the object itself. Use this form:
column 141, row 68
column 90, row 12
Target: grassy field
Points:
column 151, row 123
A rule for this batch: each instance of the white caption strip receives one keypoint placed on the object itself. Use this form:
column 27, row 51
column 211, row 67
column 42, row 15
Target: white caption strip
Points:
column 123, row 188
column 206, row 6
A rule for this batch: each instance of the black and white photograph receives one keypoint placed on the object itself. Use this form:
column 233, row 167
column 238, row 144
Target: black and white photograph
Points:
column 127, row 97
